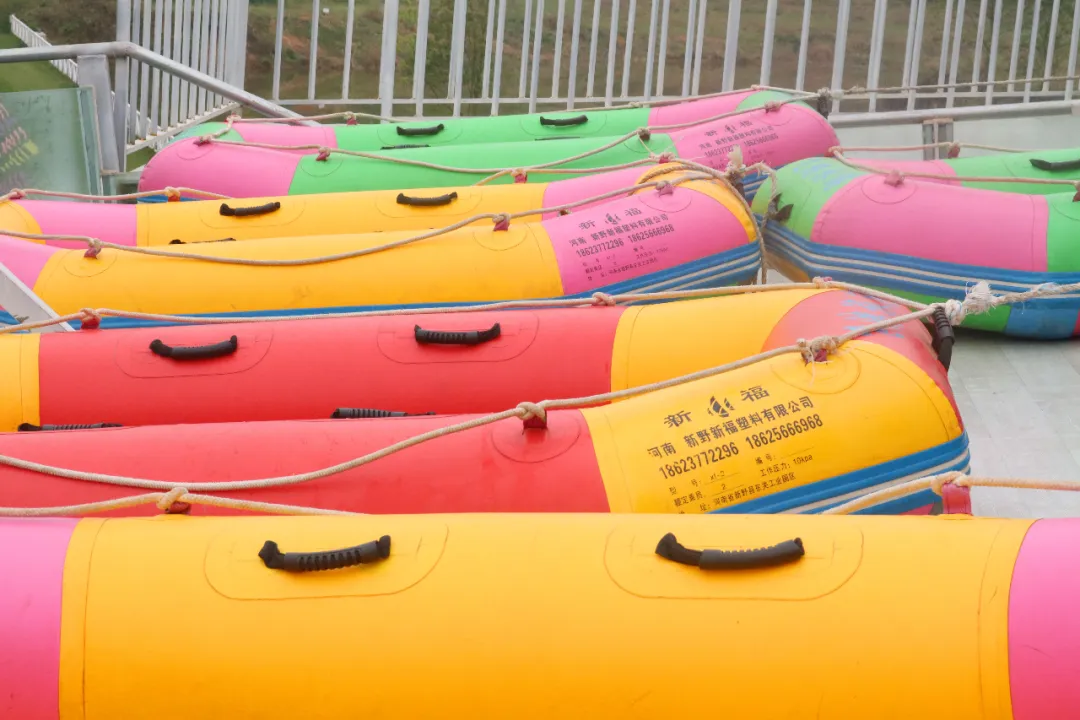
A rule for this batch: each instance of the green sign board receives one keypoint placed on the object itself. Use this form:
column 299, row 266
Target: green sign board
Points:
column 48, row 141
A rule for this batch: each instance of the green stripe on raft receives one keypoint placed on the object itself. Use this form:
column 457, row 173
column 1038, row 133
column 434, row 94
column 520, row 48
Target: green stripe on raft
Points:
column 481, row 130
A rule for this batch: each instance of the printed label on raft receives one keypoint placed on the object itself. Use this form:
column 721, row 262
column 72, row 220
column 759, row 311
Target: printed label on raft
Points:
column 746, row 133
column 701, row 463
column 627, row 241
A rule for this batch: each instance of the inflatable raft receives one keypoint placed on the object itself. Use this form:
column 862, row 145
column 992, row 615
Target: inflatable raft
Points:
column 176, row 223
column 570, row 124
column 445, row 363
column 776, row 436
column 775, row 136
column 929, row 241
column 1041, row 164
column 697, row 234
column 495, row 616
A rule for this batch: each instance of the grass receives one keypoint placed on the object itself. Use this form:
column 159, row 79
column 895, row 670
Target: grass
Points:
column 28, row 76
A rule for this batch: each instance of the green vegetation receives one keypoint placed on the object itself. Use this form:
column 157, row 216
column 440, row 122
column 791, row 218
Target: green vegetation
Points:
column 28, row 76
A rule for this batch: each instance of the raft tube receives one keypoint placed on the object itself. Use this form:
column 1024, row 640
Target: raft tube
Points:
column 930, row 242
column 176, row 223
column 384, row 364
column 1040, row 164
column 697, row 234
column 495, row 616
column 570, row 124
column 774, row 136
column 780, row 435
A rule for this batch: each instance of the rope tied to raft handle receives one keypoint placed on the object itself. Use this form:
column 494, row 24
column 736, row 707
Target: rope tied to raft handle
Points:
column 364, row 554
column 420, row 131
column 269, row 207
column 437, row 201
column 709, row 559
column 195, row 352
column 564, row 122
column 447, row 337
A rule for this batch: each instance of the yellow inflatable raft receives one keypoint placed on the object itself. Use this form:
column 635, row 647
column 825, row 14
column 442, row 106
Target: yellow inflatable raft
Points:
column 696, row 234
column 490, row 617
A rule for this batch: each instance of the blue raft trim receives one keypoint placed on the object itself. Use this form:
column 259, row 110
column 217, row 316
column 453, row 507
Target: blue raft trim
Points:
column 720, row 270
column 949, row 456
column 1046, row 318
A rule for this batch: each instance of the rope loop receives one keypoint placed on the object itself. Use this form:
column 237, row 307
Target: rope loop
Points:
column 895, row 178
column 94, row 248
column 90, row 319
column 822, row 282
column 644, row 134
column 954, row 150
column 324, row 154
column 204, row 139
column 955, row 477
column 533, row 415
column 350, row 118
column 1076, row 197
column 172, row 194
column 666, row 157
column 519, row 175
column 17, row 194
column 502, row 222
column 664, row 187
column 171, row 504
column 602, row 298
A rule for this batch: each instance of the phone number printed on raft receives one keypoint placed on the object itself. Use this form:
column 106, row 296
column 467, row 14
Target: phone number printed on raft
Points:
column 623, row 242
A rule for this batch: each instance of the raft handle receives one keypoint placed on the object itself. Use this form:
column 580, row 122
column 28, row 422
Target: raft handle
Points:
column 780, row 554
column 407, row 146
column 439, row 200
column 194, row 352
column 560, row 137
column 178, row 241
column 1050, row 166
column 367, row 413
column 564, row 122
column 942, row 336
column 468, row 337
column 28, row 427
column 413, row 132
column 249, row 211
column 368, row 552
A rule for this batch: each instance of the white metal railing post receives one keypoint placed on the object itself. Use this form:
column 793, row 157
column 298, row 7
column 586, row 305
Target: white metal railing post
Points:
column 120, row 84
column 1074, row 38
column 731, row 44
column 346, row 69
column 767, row 42
column 457, row 54
column 279, row 33
column 388, row 62
column 423, row 15
column 313, row 49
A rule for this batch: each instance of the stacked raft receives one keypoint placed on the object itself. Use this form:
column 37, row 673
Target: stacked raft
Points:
column 498, row 547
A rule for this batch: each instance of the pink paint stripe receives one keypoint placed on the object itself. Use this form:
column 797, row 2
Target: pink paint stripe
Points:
column 1044, row 624
column 111, row 223
column 31, row 578
column 25, row 259
column 233, row 170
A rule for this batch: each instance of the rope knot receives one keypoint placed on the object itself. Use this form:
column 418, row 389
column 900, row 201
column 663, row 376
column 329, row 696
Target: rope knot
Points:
column 1076, row 197
column 834, row 151
column 771, row 106
column 978, row 300
column 172, row 194
column 644, row 134
column 818, row 349
column 602, row 298
column 17, row 194
column 170, row 502
column 822, row 282
column 664, row 187
column 233, row 117
column 533, row 416
column 324, row 154
column 502, row 222
column 824, row 102
column 895, row 178
column 95, row 248
column 203, row 139
column 666, row 157
column 954, row 150
column 350, row 118
column 90, row 319
column 938, row 482
column 519, row 175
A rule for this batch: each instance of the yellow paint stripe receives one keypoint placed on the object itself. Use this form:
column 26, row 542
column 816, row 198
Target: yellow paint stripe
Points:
column 73, row 618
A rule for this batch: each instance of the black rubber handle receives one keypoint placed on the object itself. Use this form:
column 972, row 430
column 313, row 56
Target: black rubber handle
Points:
column 194, row 352
column 367, row 413
column 781, row 554
column 467, row 337
column 369, row 552
column 249, row 211
column 27, row 427
column 407, row 146
column 942, row 337
column 178, row 241
column 416, row 132
column 564, row 122
column 437, row 201
column 1059, row 166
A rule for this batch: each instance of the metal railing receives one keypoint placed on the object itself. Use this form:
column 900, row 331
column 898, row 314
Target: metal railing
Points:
column 32, row 38
column 454, row 54
column 206, row 35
